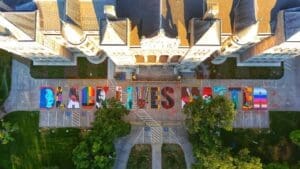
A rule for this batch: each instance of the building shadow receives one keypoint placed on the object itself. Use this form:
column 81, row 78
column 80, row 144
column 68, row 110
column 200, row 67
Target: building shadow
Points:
column 14, row 3
column 281, row 5
column 168, row 23
column 142, row 13
column 193, row 9
column 99, row 9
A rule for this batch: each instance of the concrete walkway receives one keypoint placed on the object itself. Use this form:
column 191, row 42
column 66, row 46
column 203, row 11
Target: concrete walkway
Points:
column 156, row 156
column 25, row 96
column 25, row 93
column 282, row 95
column 138, row 135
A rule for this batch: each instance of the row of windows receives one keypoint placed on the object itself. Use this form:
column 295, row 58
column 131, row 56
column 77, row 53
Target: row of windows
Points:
column 153, row 59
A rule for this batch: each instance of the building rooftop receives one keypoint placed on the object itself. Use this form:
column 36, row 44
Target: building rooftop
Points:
column 205, row 32
column 114, row 32
column 194, row 29
column 85, row 13
column 50, row 12
column 25, row 21
column 145, row 17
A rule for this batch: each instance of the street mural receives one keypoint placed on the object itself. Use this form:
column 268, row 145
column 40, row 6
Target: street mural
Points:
column 73, row 98
column 260, row 100
column 59, row 97
column 129, row 102
column 235, row 92
column 153, row 97
column 167, row 93
column 101, row 93
column 247, row 98
column 46, row 97
column 207, row 94
column 118, row 93
column 88, row 97
column 141, row 96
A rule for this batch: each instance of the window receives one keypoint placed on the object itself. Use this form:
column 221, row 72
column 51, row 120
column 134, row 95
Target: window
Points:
column 151, row 59
column 163, row 58
column 139, row 59
column 175, row 58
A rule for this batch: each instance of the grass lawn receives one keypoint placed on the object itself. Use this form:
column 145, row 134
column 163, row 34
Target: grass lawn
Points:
column 229, row 70
column 34, row 149
column 271, row 145
column 5, row 74
column 83, row 70
column 172, row 157
column 140, row 157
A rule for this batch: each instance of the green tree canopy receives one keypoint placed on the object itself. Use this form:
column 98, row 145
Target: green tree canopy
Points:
column 204, row 122
column 295, row 137
column 97, row 150
column 6, row 131
column 216, row 114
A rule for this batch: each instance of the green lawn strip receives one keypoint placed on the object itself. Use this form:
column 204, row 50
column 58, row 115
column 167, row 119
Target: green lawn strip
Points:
column 4, row 90
column 34, row 148
column 172, row 157
column 84, row 69
column 271, row 145
column 5, row 74
column 230, row 70
column 140, row 157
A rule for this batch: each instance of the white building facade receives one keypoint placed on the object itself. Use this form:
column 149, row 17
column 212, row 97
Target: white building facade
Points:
column 159, row 32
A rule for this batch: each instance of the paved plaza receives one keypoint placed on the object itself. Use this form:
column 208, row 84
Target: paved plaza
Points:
column 150, row 126
column 25, row 94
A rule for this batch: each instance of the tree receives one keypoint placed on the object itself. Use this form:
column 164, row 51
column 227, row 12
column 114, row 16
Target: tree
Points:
column 97, row 151
column 217, row 114
column 213, row 160
column 222, row 158
column 295, row 137
column 6, row 131
column 245, row 161
column 204, row 122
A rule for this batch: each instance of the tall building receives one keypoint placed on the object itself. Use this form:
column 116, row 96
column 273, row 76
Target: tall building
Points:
column 182, row 33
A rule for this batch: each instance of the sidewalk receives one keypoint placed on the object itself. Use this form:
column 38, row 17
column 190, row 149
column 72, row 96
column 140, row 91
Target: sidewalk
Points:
column 282, row 94
column 174, row 135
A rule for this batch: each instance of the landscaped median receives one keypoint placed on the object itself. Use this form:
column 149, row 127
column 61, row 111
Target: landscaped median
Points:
column 172, row 157
column 140, row 157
